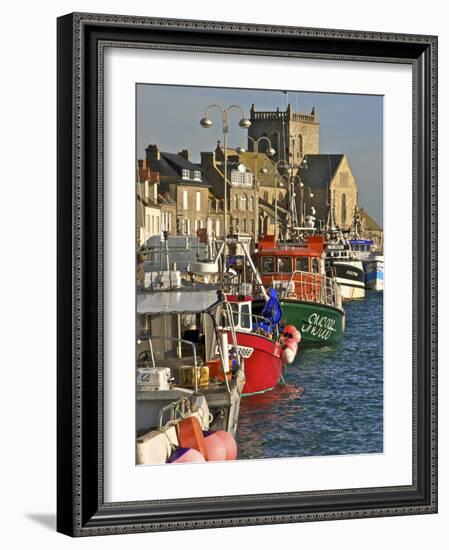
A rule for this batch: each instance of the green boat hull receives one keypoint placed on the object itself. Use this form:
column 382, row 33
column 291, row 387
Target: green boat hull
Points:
column 317, row 323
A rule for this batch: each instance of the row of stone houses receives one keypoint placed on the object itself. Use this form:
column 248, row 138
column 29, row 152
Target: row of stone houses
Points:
column 184, row 196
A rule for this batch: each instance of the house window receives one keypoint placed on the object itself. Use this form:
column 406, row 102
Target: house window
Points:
column 198, row 201
column 251, row 203
column 184, row 200
column 240, row 178
column 197, row 175
column 217, row 228
column 243, row 200
column 244, row 225
column 185, row 174
column 187, row 227
column 343, row 209
column 236, row 202
column 155, row 192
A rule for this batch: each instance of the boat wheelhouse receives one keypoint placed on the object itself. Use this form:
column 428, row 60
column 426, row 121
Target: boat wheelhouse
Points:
column 185, row 368
column 310, row 300
column 343, row 265
column 373, row 262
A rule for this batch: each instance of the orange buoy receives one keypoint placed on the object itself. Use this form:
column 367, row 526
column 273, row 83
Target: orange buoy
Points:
column 182, row 454
column 292, row 332
column 190, row 434
column 230, row 444
column 215, row 446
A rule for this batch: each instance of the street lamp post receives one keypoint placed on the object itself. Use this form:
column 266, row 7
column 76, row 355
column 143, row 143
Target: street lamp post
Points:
column 303, row 202
column 206, row 122
column 269, row 152
column 277, row 165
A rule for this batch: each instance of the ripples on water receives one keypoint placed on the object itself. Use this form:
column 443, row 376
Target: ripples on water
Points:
column 332, row 402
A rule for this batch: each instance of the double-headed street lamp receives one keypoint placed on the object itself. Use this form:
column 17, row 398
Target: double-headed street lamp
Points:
column 206, row 122
column 303, row 202
column 270, row 152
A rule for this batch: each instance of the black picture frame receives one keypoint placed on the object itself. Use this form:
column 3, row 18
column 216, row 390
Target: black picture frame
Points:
column 81, row 509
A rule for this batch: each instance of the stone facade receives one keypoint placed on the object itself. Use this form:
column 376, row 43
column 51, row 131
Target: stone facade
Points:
column 331, row 181
column 292, row 135
column 242, row 200
column 183, row 181
column 191, row 208
column 148, row 210
column 343, row 190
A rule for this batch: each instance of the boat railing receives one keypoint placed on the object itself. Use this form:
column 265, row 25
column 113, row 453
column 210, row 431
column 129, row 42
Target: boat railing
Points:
column 310, row 287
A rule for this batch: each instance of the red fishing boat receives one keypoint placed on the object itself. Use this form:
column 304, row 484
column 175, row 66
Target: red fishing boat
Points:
column 264, row 350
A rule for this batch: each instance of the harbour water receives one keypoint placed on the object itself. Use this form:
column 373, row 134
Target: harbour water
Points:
column 332, row 401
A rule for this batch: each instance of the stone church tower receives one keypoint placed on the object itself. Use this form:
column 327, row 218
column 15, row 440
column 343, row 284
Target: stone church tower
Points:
column 293, row 135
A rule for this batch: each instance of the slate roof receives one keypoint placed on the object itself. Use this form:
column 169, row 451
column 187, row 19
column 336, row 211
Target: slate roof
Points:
column 320, row 170
column 171, row 165
column 368, row 223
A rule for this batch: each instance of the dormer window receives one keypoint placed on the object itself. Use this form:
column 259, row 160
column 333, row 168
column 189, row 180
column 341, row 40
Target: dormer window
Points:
column 197, row 175
column 185, row 174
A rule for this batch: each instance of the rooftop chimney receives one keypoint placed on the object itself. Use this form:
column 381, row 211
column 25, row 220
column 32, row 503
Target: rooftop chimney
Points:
column 184, row 154
column 153, row 153
column 207, row 159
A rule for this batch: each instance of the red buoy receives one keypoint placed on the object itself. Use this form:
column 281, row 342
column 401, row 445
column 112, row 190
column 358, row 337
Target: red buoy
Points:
column 215, row 446
column 230, row 444
column 184, row 454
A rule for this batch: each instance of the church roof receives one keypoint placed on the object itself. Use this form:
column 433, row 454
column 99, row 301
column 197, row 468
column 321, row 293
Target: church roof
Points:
column 368, row 223
column 320, row 170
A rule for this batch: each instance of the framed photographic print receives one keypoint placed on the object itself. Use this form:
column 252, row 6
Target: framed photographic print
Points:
column 247, row 292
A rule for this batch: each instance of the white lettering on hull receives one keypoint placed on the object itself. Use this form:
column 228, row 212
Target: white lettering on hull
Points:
column 319, row 326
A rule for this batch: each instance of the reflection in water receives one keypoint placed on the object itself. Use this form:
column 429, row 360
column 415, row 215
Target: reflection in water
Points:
column 332, row 402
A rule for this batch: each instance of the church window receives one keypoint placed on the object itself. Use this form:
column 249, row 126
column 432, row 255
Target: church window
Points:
column 343, row 209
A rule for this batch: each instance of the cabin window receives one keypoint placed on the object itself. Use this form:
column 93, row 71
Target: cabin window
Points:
column 245, row 321
column 285, row 264
column 268, row 264
column 315, row 265
column 235, row 313
column 302, row 263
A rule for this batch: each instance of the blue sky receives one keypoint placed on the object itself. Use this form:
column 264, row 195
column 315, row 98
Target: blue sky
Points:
column 349, row 124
